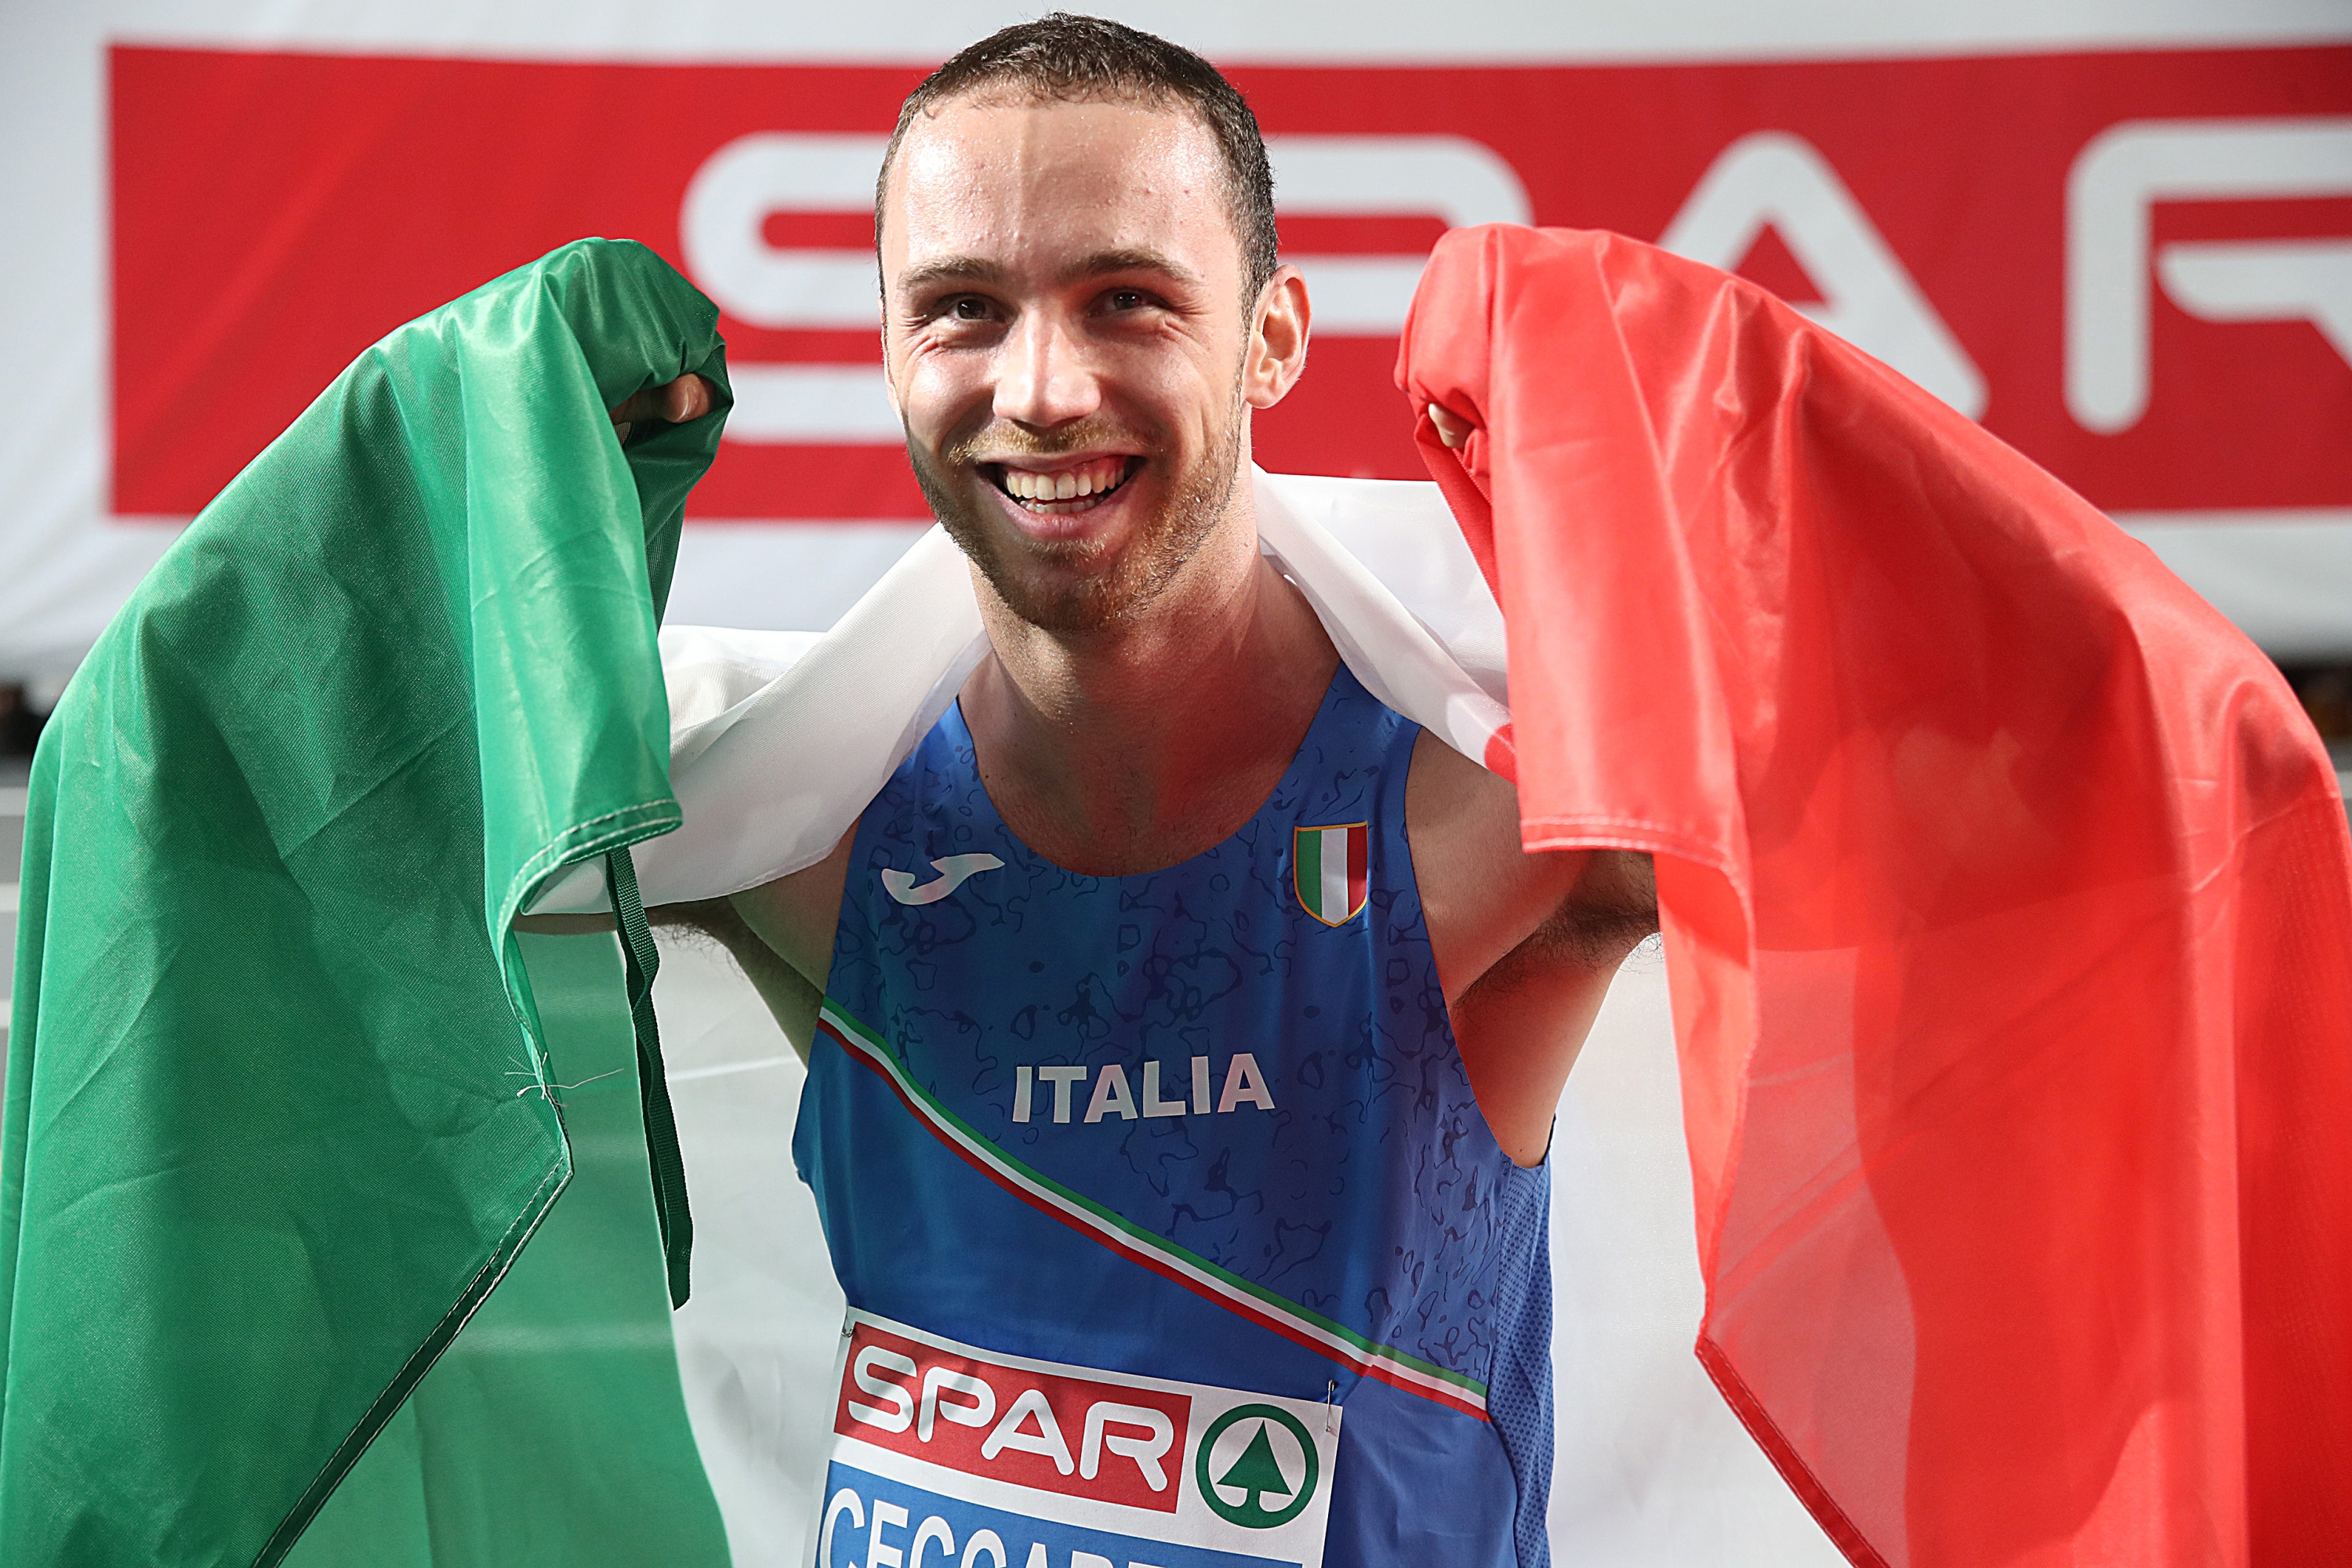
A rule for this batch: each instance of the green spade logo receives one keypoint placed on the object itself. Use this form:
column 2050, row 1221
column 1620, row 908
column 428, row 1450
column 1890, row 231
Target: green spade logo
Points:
column 1270, row 1479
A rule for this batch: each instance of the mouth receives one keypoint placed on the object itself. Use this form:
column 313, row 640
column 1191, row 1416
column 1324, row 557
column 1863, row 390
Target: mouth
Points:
column 1060, row 492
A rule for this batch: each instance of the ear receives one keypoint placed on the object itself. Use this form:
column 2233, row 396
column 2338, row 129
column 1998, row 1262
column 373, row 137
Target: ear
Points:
column 1277, row 345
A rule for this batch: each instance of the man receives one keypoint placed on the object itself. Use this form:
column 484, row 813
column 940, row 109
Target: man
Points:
column 1174, row 1140
column 1082, row 309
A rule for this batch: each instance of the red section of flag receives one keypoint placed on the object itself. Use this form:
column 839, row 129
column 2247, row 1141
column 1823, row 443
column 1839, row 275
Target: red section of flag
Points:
column 950, row 1410
column 2007, row 895
column 1359, row 861
column 273, row 214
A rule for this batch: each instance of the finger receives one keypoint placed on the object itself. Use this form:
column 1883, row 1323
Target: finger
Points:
column 646, row 405
column 687, row 398
column 1452, row 428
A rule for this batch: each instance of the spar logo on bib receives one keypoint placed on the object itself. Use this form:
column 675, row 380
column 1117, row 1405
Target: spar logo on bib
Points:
column 1257, row 1465
column 1331, row 868
column 1053, row 1432
column 947, row 1455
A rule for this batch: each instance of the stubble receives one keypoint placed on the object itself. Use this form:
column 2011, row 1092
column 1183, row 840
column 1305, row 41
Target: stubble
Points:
column 1034, row 577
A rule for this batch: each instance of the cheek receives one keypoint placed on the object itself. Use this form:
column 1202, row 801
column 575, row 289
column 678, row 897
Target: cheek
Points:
column 936, row 390
column 1188, row 397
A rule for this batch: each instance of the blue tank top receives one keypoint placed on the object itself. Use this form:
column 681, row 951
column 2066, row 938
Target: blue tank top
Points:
column 1206, row 1124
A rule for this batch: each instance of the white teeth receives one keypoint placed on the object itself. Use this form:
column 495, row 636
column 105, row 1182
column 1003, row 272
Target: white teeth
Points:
column 1070, row 484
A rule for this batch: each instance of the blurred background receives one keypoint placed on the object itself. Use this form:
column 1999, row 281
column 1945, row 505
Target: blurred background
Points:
column 2116, row 232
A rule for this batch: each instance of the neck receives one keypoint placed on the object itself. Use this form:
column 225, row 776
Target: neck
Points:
column 1140, row 745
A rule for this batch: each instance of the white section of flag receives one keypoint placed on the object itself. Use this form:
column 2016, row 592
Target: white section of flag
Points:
column 1334, row 863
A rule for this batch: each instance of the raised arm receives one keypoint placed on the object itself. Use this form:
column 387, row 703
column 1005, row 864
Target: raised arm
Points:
column 1525, row 944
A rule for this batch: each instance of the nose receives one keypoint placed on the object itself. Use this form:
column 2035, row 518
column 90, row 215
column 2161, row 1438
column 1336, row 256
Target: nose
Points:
column 1044, row 379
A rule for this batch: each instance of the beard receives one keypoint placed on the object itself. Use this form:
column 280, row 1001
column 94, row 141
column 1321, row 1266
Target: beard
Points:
column 1046, row 582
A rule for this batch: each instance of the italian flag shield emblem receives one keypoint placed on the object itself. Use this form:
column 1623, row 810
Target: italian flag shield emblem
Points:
column 1328, row 866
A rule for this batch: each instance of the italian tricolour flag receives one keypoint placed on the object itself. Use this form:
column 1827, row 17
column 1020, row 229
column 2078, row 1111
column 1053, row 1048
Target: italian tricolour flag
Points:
column 1975, row 832
column 1328, row 866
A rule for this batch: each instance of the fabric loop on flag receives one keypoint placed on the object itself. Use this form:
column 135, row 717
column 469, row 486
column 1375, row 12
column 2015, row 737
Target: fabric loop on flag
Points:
column 643, row 961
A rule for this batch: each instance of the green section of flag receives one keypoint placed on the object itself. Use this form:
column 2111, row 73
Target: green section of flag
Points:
column 1309, row 852
column 262, row 1147
column 567, row 1371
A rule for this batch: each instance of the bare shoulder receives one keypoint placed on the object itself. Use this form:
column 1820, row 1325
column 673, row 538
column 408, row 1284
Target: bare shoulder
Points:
column 1485, row 897
column 1480, row 894
column 795, row 915
column 1450, row 796
column 780, row 934
column 1524, row 943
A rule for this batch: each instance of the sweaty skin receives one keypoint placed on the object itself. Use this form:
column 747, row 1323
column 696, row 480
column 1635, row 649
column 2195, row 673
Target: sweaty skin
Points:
column 1063, row 311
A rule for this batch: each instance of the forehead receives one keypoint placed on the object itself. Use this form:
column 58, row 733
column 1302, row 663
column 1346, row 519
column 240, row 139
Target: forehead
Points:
column 1023, row 182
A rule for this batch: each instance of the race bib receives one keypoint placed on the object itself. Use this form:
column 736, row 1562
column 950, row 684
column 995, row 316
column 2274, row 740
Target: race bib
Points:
column 948, row 1457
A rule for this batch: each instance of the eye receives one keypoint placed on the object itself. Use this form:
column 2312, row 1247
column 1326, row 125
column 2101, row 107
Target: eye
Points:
column 1128, row 299
column 968, row 308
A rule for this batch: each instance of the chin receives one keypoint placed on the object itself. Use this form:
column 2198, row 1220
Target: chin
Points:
column 1071, row 587
column 1083, row 585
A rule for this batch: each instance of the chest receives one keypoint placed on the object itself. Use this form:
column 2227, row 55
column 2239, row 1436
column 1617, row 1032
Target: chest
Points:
column 1262, row 1011
column 1244, row 1054
column 1246, row 1059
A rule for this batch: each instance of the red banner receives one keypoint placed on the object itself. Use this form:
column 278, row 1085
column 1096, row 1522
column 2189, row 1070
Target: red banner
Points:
column 2131, row 266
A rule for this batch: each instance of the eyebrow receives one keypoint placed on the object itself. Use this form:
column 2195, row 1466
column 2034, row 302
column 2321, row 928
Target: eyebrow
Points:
column 981, row 270
column 953, row 269
column 1141, row 258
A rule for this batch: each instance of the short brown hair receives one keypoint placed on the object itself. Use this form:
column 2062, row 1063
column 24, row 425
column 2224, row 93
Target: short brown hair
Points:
column 1086, row 59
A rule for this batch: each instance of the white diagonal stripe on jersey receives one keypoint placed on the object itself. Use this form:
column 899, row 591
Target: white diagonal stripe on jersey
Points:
column 1390, row 1364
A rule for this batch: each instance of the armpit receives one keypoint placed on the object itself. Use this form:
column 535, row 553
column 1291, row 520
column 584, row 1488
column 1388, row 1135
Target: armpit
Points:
column 1613, row 907
column 790, row 997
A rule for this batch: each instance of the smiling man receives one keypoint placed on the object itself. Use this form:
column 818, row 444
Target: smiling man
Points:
column 1239, row 986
